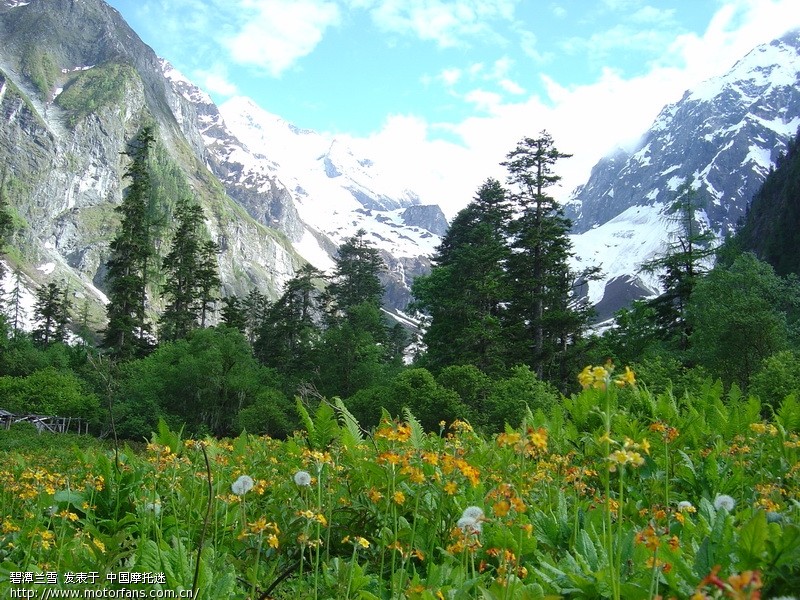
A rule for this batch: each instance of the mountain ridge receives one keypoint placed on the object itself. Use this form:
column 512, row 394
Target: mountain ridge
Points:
column 722, row 138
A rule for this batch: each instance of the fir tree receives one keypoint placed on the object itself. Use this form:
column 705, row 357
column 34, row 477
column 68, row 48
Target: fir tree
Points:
column 233, row 313
column 15, row 309
column 291, row 330
column 464, row 297
column 6, row 229
column 208, row 280
column 355, row 345
column 540, row 317
column 680, row 267
column 355, row 280
column 51, row 314
column 127, row 333
column 192, row 279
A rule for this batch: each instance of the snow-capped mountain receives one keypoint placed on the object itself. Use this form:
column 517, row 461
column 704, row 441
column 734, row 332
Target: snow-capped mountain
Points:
column 313, row 188
column 722, row 138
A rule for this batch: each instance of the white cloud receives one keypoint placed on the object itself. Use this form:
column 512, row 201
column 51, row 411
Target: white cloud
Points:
column 215, row 80
column 450, row 76
column 512, row 87
column 587, row 121
column 446, row 23
column 279, row 32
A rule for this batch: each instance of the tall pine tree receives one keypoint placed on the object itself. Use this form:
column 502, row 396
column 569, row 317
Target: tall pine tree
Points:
column 6, row 229
column 541, row 318
column 355, row 345
column 681, row 265
column 128, row 333
column 290, row 332
column 51, row 313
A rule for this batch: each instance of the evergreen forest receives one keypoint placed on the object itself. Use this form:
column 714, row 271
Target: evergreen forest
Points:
column 504, row 324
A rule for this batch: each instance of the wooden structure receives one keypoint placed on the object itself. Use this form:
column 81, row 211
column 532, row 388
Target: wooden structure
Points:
column 45, row 422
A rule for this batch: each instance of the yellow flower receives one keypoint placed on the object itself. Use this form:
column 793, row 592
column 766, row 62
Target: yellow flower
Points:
column 627, row 378
column 450, row 488
column 399, row 497
column 363, row 542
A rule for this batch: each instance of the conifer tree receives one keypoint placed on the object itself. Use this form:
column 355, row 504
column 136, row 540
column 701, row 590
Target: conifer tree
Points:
column 355, row 280
column 291, row 329
column 51, row 313
column 127, row 333
column 464, row 297
column 191, row 269
column 355, row 349
column 15, row 309
column 540, row 317
column 680, row 266
column 233, row 313
column 256, row 306
column 208, row 280
column 6, row 229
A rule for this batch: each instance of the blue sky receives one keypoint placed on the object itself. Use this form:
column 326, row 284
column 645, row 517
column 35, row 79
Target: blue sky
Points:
column 443, row 89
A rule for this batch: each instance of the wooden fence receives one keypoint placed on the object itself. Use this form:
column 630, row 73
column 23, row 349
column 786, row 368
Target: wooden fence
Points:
column 45, row 422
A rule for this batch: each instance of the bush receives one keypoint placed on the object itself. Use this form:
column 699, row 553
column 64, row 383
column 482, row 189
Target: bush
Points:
column 49, row 392
column 509, row 398
column 779, row 376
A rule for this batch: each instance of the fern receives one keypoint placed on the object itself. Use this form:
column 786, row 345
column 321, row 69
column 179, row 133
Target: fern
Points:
column 350, row 434
column 326, row 429
column 417, row 432
column 304, row 417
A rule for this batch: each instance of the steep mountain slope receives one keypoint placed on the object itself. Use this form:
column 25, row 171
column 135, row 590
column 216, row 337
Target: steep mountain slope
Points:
column 771, row 228
column 76, row 84
column 721, row 138
column 337, row 193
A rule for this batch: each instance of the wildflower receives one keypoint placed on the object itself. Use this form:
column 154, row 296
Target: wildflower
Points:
column 685, row 505
column 302, row 478
column 724, row 501
column 469, row 526
column 399, row 497
column 450, row 488
column 154, row 507
column 242, row 485
column 628, row 378
column 473, row 512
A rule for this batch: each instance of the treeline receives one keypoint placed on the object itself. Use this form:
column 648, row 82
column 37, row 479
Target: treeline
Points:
column 506, row 325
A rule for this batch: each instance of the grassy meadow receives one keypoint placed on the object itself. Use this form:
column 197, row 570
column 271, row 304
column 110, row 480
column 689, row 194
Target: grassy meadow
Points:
column 614, row 493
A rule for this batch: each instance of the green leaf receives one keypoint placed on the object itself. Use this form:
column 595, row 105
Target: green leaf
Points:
column 417, row 432
column 351, row 434
column 752, row 541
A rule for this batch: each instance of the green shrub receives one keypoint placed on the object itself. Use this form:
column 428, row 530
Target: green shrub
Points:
column 779, row 376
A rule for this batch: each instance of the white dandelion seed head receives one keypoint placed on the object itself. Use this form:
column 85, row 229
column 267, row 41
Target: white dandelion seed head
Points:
column 473, row 512
column 684, row 505
column 302, row 478
column 242, row 485
column 724, row 501
column 153, row 507
column 469, row 525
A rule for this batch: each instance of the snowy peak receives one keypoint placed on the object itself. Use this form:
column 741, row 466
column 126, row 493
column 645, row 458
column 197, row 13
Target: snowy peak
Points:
column 767, row 66
column 722, row 138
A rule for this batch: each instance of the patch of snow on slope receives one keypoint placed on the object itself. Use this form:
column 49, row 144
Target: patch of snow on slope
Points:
column 760, row 156
column 621, row 245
